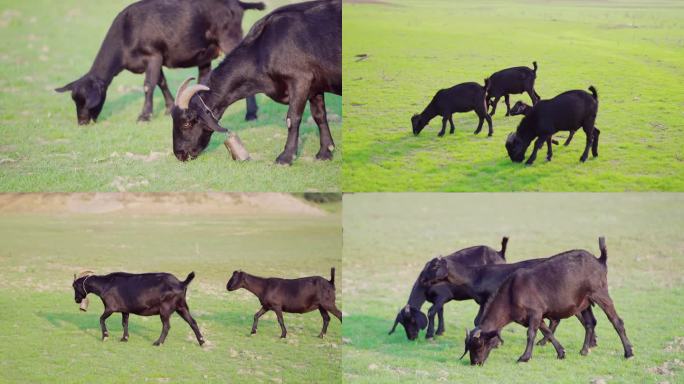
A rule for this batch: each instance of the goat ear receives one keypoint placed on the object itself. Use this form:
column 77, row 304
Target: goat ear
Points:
column 211, row 124
column 74, row 277
column 65, row 88
column 94, row 97
column 398, row 320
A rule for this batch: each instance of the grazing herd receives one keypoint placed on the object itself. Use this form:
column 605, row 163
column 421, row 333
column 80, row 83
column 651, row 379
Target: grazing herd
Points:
column 568, row 111
column 162, row 294
column 554, row 288
column 293, row 55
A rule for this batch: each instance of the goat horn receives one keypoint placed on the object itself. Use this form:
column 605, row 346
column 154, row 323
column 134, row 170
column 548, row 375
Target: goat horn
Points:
column 183, row 100
column 182, row 87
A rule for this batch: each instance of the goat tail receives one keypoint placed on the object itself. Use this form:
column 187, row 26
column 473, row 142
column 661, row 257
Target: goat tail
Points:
column 534, row 64
column 504, row 243
column 258, row 6
column 332, row 276
column 189, row 279
column 604, row 252
column 594, row 92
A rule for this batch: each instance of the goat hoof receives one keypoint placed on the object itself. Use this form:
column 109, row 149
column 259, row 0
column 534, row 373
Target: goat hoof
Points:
column 104, row 338
column 124, row 339
column 157, row 343
column 284, row 159
column 143, row 118
column 439, row 333
column 283, row 336
column 201, row 342
column 585, row 352
column 168, row 110
column 441, row 134
column 629, row 354
column 321, row 335
column 561, row 355
column 324, row 155
column 541, row 342
column 523, row 360
column 250, row 116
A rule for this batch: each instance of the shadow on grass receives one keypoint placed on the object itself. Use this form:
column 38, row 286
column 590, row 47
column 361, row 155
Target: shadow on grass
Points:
column 90, row 321
column 369, row 333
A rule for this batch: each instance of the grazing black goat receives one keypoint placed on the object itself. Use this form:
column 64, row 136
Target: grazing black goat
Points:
column 411, row 317
column 521, row 108
column 464, row 97
column 562, row 286
column 480, row 282
column 145, row 294
column 565, row 112
column 289, row 295
column 150, row 34
column 511, row 81
column 293, row 55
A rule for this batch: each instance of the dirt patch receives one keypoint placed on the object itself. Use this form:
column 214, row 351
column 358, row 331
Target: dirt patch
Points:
column 153, row 156
column 676, row 345
column 242, row 204
column 667, row 368
column 125, row 183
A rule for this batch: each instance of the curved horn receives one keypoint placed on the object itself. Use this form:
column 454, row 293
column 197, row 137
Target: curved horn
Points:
column 182, row 87
column 396, row 321
column 467, row 339
column 183, row 100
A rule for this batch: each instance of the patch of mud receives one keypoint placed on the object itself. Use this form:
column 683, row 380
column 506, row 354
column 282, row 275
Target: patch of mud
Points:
column 238, row 204
column 667, row 368
column 153, row 156
column 7, row 16
column 125, row 183
column 676, row 345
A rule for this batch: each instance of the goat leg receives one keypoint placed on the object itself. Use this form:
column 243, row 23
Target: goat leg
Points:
column 326, row 320
column 257, row 315
column 103, row 326
column 560, row 351
column 283, row 330
column 124, row 323
column 152, row 74
column 165, row 329
column 319, row 114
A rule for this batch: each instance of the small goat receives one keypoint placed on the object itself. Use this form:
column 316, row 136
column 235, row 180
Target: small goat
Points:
column 511, row 81
column 289, row 295
column 463, row 97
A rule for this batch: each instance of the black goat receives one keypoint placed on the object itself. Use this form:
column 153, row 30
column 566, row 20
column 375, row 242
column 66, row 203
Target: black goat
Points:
column 150, row 34
column 565, row 112
column 480, row 282
column 464, row 97
column 520, row 108
column 562, row 286
column 411, row 317
column 511, row 81
column 289, row 295
column 145, row 294
column 293, row 55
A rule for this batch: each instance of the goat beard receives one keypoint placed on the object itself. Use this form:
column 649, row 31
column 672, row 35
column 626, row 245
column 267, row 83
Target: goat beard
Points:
column 84, row 304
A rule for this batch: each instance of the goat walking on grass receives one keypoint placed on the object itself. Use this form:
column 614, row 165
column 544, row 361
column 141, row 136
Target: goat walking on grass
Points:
column 289, row 295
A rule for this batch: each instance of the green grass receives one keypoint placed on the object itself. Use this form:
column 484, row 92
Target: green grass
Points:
column 389, row 237
column 46, row 44
column 631, row 50
column 44, row 337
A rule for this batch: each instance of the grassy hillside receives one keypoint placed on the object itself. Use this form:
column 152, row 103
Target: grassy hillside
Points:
column 631, row 51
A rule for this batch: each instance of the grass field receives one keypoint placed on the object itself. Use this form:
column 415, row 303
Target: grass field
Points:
column 630, row 50
column 389, row 237
column 44, row 337
column 46, row 44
